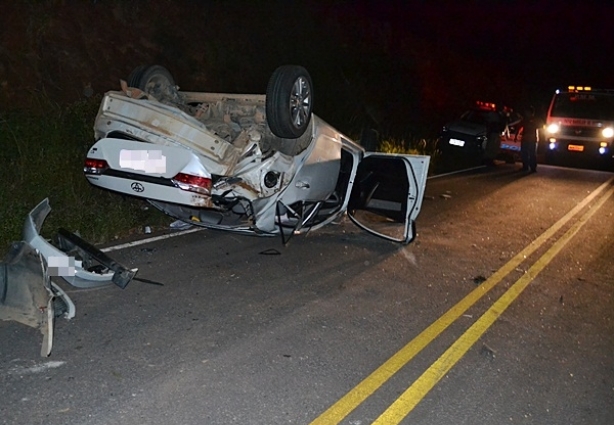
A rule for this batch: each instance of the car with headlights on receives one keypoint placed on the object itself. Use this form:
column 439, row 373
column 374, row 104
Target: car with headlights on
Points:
column 580, row 125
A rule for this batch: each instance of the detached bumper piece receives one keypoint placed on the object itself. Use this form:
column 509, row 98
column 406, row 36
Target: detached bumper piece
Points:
column 78, row 262
column 69, row 242
column 28, row 296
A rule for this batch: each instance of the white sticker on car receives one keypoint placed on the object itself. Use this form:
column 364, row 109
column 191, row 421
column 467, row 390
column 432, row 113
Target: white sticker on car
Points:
column 149, row 161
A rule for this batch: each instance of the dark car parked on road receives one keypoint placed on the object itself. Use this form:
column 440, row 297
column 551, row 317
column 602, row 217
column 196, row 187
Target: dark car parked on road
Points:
column 468, row 135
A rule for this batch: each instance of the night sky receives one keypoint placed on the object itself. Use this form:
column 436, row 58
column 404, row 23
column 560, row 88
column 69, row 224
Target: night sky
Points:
column 547, row 44
column 442, row 56
column 404, row 67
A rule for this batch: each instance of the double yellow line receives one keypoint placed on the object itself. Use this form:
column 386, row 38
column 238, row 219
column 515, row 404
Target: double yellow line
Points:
column 418, row 390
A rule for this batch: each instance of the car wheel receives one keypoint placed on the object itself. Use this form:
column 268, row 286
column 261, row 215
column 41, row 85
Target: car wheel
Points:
column 154, row 79
column 289, row 101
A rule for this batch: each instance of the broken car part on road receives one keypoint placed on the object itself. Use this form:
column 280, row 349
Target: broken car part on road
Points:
column 76, row 261
column 27, row 294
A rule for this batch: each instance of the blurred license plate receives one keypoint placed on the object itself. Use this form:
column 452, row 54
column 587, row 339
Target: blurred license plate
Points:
column 457, row 142
column 575, row 148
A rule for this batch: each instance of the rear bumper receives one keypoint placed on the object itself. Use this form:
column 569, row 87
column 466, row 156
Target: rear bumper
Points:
column 146, row 188
column 147, row 170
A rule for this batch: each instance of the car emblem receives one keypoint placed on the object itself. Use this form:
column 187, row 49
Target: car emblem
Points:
column 578, row 132
column 137, row 187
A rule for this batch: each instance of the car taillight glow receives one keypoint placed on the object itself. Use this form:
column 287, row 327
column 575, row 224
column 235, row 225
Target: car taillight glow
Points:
column 95, row 166
column 192, row 183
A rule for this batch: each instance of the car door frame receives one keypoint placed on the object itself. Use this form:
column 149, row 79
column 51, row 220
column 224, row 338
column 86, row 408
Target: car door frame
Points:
column 410, row 201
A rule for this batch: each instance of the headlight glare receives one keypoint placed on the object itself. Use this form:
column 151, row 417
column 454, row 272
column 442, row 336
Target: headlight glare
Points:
column 607, row 132
column 553, row 128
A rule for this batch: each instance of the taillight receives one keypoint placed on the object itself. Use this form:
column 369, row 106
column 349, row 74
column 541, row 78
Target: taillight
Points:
column 192, row 183
column 95, row 166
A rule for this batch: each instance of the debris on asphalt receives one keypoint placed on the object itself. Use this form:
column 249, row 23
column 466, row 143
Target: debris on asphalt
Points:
column 179, row 225
column 271, row 251
column 151, row 282
column 478, row 280
column 488, row 352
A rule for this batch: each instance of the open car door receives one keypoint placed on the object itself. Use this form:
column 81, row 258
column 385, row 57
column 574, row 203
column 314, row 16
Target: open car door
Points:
column 387, row 194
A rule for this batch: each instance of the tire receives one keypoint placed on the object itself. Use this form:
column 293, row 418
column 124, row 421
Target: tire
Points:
column 289, row 101
column 154, row 79
column 135, row 76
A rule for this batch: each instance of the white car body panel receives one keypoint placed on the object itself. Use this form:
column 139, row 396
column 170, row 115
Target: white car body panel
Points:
column 161, row 124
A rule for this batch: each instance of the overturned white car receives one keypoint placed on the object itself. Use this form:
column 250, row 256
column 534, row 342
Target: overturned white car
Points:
column 259, row 164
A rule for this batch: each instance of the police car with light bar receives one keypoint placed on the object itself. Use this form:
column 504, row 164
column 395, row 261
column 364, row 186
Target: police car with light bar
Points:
column 468, row 135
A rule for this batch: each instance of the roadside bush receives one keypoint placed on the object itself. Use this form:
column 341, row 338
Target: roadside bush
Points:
column 415, row 147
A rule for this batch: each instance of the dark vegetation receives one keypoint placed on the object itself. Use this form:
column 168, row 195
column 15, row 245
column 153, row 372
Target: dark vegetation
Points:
column 57, row 57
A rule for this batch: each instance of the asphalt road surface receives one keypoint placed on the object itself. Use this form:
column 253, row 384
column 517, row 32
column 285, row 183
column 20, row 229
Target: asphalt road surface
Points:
column 501, row 312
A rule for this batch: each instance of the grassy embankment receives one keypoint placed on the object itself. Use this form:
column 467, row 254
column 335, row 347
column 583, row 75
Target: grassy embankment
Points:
column 41, row 156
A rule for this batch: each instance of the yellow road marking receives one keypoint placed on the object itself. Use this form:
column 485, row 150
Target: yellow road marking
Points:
column 351, row 400
column 418, row 390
